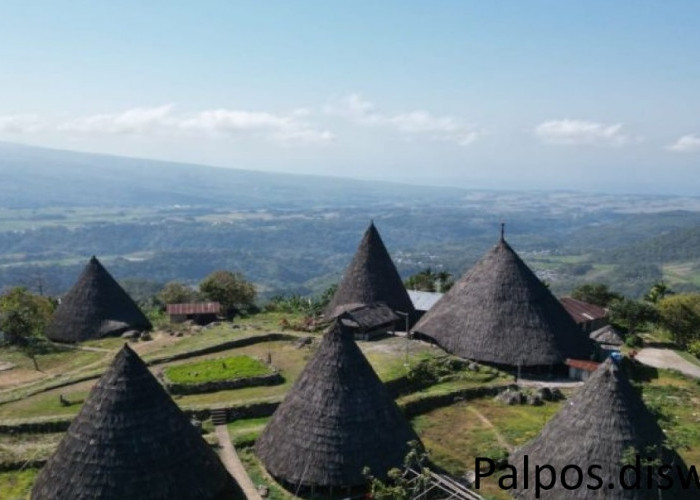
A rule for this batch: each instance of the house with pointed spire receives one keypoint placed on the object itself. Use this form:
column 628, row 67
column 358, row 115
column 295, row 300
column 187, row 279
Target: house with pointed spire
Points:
column 95, row 307
column 337, row 419
column 500, row 313
column 130, row 440
column 605, row 424
column 371, row 278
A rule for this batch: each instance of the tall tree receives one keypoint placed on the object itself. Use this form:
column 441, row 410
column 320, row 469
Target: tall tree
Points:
column 175, row 292
column 657, row 292
column 23, row 317
column 680, row 315
column 230, row 289
column 631, row 313
column 595, row 293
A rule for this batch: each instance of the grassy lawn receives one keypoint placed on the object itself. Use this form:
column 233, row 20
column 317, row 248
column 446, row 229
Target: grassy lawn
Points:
column 676, row 398
column 217, row 369
column 455, row 435
column 23, row 447
column 16, row 485
column 247, row 430
column 259, row 475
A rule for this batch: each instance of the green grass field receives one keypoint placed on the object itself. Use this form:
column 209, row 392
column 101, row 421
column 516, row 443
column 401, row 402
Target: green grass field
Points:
column 214, row 370
column 16, row 485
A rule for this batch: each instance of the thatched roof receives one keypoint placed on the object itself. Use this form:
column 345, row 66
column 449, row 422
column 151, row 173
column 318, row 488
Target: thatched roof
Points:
column 500, row 312
column 371, row 277
column 131, row 441
column 599, row 425
column 96, row 306
column 369, row 317
column 607, row 335
column 336, row 419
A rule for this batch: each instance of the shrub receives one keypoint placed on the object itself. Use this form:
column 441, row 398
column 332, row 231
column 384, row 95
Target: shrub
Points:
column 634, row 341
column 694, row 348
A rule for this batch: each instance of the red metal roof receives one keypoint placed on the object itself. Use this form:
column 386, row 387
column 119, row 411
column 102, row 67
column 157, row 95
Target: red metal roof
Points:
column 582, row 364
column 196, row 308
column 582, row 312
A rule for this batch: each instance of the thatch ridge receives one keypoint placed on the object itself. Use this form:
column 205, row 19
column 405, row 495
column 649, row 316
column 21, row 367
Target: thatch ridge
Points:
column 96, row 306
column 130, row 440
column 371, row 277
column 599, row 425
column 500, row 312
column 337, row 418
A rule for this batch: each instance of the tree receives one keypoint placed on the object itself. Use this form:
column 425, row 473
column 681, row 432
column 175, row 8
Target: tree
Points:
column 428, row 281
column 595, row 293
column 680, row 315
column 23, row 317
column 657, row 292
column 175, row 292
column 143, row 291
column 229, row 289
column 631, row 313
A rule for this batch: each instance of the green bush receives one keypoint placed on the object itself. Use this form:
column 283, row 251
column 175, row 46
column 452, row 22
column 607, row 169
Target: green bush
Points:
column 634, row 341
column 694, row 348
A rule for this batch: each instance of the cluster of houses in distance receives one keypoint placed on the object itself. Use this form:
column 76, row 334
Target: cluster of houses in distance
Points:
column 131, row 441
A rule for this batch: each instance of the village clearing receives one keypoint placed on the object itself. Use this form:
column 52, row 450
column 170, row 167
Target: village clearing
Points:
column 453, row 421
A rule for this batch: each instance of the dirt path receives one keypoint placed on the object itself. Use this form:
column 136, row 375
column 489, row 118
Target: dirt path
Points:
column 668, row 359
column 499, row 437
column 233, row 464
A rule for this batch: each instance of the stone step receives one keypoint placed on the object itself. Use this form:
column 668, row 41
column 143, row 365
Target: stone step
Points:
column 219, row 416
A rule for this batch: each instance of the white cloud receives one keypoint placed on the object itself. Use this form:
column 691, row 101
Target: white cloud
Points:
column 685, row 144
column 20, row 124
column 577, row 132
column 164, row 120
column 292, row 127
column 131, row 121
column 360, row 111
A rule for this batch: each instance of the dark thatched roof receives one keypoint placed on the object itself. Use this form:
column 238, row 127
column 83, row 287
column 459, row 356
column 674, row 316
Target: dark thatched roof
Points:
column 369, row 316
column 131, row 441
column 96, row 306
column 336, row 419
column 371, row 277
column 607, row 335
column 599, row 425
column 500, row 312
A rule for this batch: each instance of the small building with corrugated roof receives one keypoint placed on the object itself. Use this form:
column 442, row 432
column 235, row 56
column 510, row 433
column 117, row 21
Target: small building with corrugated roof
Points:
column 589, row 317
column 201, row 313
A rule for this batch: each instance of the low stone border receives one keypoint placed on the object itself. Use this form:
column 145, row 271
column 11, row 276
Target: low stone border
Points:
column 429, row 402
column 224, row 346
column 223, row 385
column 45, row 426
column 29, row 464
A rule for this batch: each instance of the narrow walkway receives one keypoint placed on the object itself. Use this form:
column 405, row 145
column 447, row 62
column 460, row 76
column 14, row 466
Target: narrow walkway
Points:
column 233, row 464
column 499, row 437
column 668, row 359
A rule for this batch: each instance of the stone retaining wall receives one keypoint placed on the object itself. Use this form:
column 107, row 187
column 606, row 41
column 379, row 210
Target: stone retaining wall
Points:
column 223, row 385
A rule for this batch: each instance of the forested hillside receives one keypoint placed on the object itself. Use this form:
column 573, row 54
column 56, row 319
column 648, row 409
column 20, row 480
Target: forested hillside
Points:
column 157, row 222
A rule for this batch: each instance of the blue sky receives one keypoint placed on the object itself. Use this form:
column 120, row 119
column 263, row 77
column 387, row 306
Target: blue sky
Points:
column 590, row 95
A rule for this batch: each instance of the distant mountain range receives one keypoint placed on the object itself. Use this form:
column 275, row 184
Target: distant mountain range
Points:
column 162, row 221
column 35, row 177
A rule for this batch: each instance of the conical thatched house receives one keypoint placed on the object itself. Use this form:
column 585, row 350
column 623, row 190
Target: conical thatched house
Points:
column 605, row 423
column 371, row 277
column 499, row 312
column 96, row 306
column 336, row 419
column 131, row 441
